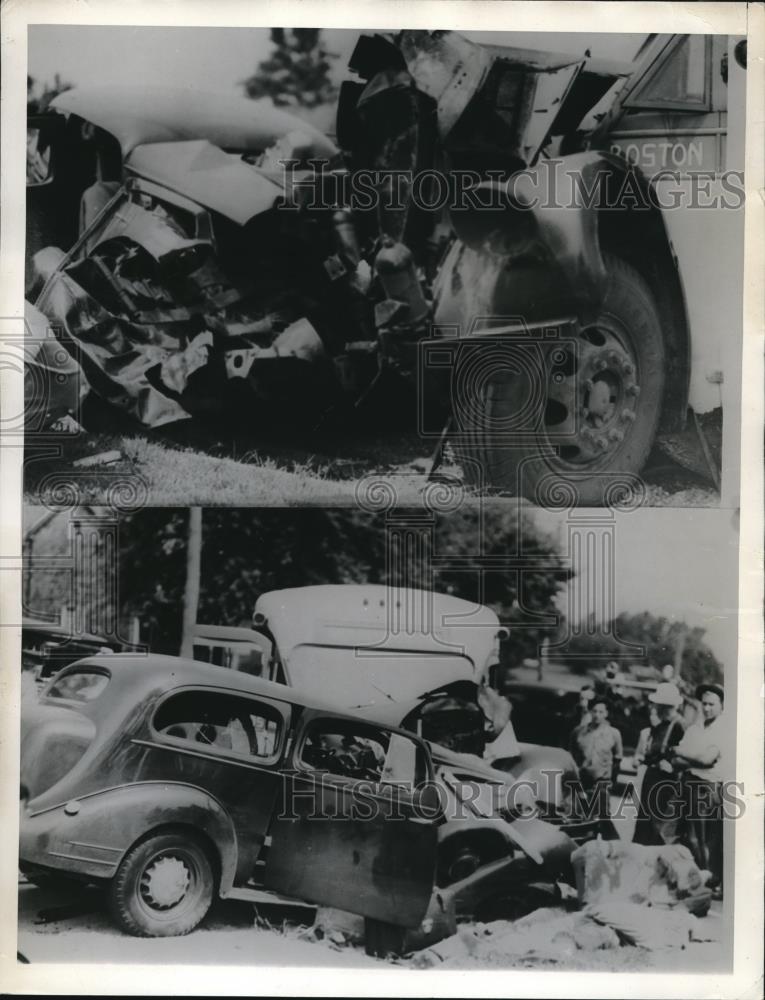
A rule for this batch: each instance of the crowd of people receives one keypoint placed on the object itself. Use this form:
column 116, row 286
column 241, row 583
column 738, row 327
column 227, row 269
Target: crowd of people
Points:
column 682, row 766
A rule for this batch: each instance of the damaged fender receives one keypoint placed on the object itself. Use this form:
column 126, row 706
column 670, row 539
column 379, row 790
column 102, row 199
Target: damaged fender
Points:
column 552, row 847
column 534, row 251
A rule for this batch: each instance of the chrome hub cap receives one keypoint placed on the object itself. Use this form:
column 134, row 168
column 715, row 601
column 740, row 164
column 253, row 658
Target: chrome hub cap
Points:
column 592, row 396
column 165, row 883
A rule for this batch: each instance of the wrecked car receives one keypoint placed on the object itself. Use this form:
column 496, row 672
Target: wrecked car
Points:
column 168, row 782
column 415, row 659
column 545, row 339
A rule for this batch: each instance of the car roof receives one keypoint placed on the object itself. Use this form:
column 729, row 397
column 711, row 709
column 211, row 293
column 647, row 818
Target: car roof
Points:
column 157, row 673
column 138, row 114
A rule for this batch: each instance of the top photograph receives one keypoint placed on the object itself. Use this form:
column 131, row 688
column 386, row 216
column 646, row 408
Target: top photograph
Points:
column 305, row 266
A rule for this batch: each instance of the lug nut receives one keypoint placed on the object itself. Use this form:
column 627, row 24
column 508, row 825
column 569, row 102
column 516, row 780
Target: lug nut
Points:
column 615, row 434
column 601, row 364
column 613, row 357
column 601, row 443
column 588, row 383
column 628, row 415
column 633, row 390
column 628, row 369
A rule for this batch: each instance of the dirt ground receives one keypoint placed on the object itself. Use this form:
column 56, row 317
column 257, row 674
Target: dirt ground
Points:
column 57, row 927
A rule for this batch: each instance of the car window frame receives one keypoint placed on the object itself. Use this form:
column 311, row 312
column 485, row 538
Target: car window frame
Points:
column 634, row 103
column 209, row 751
column 375, row 788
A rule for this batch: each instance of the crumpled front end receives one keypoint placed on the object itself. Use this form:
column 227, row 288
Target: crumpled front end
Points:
column 173, row 314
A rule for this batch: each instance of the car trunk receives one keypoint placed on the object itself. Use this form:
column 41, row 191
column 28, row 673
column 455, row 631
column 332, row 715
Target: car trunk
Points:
column 53, row 739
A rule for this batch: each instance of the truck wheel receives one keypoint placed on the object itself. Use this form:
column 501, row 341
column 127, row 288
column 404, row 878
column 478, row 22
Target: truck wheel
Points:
column 383, row 940
column 163, row 888
column 600, row 412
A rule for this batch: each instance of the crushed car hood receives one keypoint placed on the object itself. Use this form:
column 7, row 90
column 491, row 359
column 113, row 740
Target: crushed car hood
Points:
column 137, row 115
column 220, row 181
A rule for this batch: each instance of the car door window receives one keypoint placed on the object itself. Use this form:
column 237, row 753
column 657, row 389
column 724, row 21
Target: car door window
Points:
column 363, row 753
column 221, row 723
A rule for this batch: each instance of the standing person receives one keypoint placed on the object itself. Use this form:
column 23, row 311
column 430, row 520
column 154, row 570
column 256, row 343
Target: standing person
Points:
column 597, row 748
column 580, row 714
column 701, row 757
column 658, row 809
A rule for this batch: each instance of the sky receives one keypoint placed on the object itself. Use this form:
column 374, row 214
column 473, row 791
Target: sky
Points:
column 221, row 58
column 677, row 562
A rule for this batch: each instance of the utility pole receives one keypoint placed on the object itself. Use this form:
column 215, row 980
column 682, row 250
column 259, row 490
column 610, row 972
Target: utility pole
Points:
column 191, row 591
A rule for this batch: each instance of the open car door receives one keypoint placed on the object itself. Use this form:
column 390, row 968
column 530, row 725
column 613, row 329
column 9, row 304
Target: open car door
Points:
column 349, row 833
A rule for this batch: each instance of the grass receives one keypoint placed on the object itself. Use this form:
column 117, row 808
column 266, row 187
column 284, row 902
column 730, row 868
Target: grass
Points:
column 157, row 473
column 193, row 465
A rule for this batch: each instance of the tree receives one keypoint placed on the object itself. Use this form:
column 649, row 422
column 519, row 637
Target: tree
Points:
column 36, row 105
column 664, row 641
column 246, row 552
column 297, row 71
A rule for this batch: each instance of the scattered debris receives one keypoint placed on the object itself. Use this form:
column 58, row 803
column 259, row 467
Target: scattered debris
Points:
column 549, row 933
column 613, row 871
column 649, row 927
column 338, row 926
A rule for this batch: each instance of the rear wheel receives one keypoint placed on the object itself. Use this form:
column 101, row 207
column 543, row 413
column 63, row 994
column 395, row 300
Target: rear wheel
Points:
column 164, row 886
column 600, row 411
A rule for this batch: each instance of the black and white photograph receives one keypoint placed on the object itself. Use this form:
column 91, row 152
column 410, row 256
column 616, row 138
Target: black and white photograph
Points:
column 460, row 739
column 381, row 470
column 263, row 264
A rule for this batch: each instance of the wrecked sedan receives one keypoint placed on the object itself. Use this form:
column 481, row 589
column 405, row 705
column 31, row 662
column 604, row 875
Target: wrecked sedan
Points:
column 420, row 660
column 169, row 782
column 192, row 293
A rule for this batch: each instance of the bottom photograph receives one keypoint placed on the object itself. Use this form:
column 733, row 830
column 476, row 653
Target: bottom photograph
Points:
column 482, row 737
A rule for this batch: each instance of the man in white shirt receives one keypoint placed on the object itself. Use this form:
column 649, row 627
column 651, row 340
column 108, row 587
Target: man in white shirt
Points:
column 701, row 756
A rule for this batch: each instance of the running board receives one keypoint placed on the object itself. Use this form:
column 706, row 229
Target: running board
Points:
column 249, row 895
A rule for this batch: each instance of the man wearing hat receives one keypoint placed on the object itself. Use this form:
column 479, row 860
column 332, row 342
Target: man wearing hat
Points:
column 700, row 755
column 659, row 809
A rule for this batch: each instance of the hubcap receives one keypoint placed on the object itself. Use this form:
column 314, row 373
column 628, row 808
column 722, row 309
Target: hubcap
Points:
column 165, row 883
column 592, row 396
column 464, row 864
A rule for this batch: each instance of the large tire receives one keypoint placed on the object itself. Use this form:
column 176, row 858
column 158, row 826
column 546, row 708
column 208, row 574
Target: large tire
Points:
column 383, row 940
column 599, row 415
column 164, row 886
